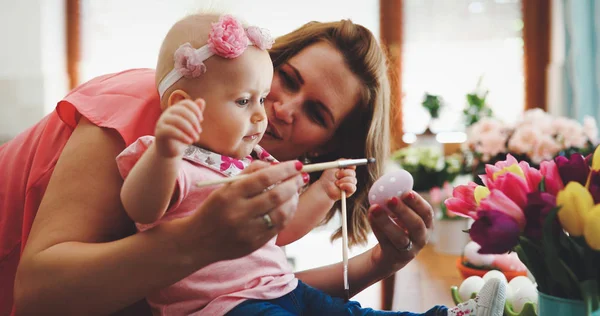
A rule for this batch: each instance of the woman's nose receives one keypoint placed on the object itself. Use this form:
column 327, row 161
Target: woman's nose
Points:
column 284, row 111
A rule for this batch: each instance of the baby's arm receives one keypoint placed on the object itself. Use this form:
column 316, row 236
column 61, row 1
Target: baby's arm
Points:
column 316, row 201
column 149, row 187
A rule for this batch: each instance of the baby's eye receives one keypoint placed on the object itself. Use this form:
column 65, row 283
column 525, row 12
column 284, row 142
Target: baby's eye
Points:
column 242, row 102
column 262, row 100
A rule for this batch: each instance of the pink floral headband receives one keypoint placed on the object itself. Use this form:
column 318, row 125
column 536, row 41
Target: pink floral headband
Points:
column 227, row 39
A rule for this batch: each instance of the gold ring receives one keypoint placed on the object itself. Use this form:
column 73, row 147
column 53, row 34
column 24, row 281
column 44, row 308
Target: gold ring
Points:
column 268, row 221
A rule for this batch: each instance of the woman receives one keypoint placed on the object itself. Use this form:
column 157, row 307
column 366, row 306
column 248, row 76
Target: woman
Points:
column 329, row 99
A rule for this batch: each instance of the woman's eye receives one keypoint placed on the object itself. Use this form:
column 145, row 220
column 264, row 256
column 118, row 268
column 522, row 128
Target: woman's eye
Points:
column 242, row 102
column 318, row 117
column 288, row 81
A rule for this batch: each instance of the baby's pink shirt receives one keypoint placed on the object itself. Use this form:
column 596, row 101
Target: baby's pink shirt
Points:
column 216, row 289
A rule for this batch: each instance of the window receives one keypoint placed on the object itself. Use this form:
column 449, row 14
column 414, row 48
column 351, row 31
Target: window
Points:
column 448, row 46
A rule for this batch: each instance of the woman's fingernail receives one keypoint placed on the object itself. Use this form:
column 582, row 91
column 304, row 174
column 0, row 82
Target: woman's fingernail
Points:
column 305, row 177
column 393, row 202
column 410, row 196
column 298, row 165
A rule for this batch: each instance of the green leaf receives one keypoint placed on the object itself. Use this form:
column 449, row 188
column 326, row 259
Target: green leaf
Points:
column 542, row 185
column 532, row 256
column 558, row 270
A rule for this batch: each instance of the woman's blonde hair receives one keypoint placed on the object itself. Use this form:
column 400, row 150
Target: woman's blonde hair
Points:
column 366, row 131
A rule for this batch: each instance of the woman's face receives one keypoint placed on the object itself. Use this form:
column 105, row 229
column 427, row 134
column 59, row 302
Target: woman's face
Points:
column 310, row 97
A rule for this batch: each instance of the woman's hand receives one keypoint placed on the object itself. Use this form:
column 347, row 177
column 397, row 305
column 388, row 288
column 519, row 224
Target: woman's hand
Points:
column 401, row 233
column 240, row 217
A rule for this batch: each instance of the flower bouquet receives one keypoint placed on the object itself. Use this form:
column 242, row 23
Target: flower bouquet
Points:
column 537, row 137
column 550, row 216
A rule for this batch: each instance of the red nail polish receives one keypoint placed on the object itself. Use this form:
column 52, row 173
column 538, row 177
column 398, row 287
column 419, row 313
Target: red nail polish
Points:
column 410, row 196
column 298, row 165
column 305, row 177
column 393, row 202
column 274, row 162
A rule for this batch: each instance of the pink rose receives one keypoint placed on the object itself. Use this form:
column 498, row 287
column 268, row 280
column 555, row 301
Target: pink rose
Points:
column 227, row 38
column 187, row 62
column 261, row 38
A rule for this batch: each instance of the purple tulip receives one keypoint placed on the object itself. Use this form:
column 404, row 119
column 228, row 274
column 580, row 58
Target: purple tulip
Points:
column 538, row 206
column 573, row 169
column 594, row 187
column 495, row 231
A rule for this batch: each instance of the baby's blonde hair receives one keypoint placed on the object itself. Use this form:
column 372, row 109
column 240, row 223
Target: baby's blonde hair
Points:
column 193, row 29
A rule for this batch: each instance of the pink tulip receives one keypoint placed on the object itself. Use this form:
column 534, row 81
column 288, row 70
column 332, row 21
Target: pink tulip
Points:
column 513, row 186
column 498, row 201
column 553, row 181
column 463, row 201
column 532, row 176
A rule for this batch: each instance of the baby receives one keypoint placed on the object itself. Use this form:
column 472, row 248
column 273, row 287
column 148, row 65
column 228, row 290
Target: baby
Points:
column 213, row 75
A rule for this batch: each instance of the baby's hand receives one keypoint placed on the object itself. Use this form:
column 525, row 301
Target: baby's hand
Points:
column 333, row 181
column 179, row 127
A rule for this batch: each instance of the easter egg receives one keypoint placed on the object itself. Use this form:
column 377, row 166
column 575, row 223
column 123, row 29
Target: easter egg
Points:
column 391, row 184
column 519, row 282
column 525, row 294
column 494, row 274
column 473, row 257
column 470, row 285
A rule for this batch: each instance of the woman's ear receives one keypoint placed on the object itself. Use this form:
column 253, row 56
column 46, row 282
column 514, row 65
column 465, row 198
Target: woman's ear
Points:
column 177, row 96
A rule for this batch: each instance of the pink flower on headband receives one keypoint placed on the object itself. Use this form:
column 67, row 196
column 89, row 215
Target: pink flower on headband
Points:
column 187, row 62
column 227, row 38
column 261, row 38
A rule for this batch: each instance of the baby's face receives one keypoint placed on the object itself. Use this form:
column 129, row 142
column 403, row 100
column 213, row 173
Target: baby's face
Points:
column 234, row 90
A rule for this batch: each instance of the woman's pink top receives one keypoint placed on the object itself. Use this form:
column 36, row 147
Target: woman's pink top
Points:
column 264, row 274
column 127, row 102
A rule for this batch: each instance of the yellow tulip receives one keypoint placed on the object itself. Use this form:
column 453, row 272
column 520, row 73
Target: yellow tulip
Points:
column 591, row 228
column 596, row 159
column 575, row 203
column 480, row 193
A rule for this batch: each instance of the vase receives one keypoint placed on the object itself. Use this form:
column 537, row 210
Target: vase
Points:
column 549, row 305
column 450, row 236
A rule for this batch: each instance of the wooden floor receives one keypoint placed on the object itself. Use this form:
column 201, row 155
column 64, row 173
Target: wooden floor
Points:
column 426, row 282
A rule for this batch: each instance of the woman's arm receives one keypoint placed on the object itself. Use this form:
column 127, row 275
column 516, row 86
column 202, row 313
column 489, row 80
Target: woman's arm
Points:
column 72, row 263
column 149, row 187
column 412, row 214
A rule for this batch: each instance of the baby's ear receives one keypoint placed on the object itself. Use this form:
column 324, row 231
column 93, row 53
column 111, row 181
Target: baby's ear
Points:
column 177, row 96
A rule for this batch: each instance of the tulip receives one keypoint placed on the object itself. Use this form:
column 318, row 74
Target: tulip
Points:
column 575, row 202
column 495, row 232
column 591, row 228
column 539, row 204
column 498, row 201
column 463, row 201
column 480, row 193
column 532, row 175
column 594, row 185
column 596, row 159
column 573, row 169
column 552, row 178
column 513, row 186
